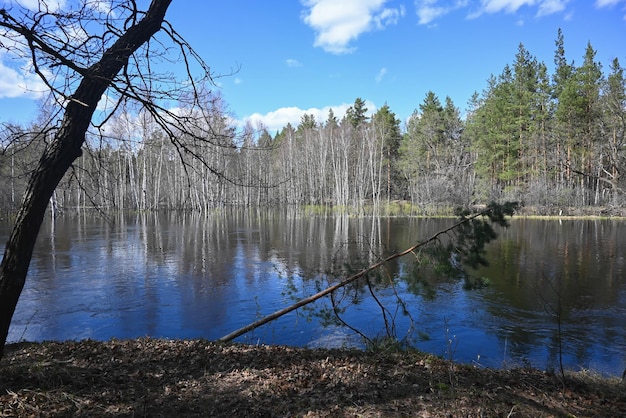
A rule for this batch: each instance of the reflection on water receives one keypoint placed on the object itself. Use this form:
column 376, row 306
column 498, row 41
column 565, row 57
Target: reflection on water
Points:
column 186, row 276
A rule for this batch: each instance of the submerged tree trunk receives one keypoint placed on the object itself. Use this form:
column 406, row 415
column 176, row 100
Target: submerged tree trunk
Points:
column 59, row 156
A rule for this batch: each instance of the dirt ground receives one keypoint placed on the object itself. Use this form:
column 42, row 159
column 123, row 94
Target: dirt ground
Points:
column 198, row 378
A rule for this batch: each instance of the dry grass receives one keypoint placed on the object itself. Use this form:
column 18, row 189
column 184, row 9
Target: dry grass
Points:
column 163, row 378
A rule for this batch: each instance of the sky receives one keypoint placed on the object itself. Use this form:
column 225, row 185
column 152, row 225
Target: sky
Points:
column 281, row 59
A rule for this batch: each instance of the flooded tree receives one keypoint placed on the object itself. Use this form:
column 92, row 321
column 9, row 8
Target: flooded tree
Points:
column 82, row 52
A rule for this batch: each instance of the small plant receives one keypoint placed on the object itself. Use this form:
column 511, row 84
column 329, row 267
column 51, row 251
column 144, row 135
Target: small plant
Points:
column 384, row 344
column 452, row 344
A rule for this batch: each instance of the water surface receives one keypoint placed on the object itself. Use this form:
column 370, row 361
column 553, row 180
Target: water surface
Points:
column 556, row 286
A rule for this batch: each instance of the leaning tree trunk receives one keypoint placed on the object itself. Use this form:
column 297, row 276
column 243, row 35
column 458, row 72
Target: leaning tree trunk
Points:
column 59, row 156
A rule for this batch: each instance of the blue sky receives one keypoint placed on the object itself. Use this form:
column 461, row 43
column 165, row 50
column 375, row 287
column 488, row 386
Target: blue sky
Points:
column 297, row 56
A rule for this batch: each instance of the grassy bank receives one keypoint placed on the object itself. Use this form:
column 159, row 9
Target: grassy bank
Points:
column 399, row 208
column 197, row 378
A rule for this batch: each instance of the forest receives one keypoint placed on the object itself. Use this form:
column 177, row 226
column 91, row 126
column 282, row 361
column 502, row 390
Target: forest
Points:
column 549, row 140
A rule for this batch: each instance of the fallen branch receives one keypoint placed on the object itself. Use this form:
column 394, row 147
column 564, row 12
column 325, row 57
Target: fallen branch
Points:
column 345, row 282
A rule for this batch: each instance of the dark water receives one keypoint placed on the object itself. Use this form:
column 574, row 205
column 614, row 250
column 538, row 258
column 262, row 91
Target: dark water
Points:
column 553, row 284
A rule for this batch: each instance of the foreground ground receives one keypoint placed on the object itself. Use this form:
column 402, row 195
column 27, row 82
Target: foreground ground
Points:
column 163, row 378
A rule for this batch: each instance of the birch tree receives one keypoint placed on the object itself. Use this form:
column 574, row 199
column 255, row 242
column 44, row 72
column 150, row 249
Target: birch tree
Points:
column 82, row 52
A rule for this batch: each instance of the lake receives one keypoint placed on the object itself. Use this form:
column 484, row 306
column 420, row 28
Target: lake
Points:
column 556, row 286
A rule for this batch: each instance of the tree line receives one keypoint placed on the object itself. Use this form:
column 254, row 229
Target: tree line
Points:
column 548, row 140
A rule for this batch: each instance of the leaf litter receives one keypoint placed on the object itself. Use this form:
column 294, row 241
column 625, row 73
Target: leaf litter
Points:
column 148, row 377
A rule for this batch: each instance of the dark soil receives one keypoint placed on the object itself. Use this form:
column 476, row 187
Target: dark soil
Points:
column 198, row 378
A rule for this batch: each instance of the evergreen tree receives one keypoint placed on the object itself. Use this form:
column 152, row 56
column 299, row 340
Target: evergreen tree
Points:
column 419, row 152
column 356, row 113
column 525, row 82
column 428, row 129
column 331, row 120
column 460, row 160
column 590, row 79
column 577, row 115
column 614, row 128
column 495, row 136
column 387, row 128
column 307, row 121
column 566, row 96
column 563, row 71
column 543, row 177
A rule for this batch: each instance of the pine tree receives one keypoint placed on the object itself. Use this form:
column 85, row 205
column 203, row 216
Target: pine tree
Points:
column 614, row 126
column 387, row 127
column 356, row 113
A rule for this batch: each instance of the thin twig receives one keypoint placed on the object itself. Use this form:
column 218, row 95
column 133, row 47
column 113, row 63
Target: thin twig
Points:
column 354, row 277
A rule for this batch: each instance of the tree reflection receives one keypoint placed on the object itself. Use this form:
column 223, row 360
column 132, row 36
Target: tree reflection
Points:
column 181, row 275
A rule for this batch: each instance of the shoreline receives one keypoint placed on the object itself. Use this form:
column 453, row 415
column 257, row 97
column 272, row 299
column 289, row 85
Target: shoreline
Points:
column 391, row 210
column 158, row 377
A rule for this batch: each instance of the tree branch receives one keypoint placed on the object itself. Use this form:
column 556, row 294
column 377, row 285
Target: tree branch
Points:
column 229, row 337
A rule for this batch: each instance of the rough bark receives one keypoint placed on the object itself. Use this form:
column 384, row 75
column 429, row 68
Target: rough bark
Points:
column 59, row 156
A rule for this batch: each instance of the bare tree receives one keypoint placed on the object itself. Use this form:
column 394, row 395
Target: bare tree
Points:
column 82, row 52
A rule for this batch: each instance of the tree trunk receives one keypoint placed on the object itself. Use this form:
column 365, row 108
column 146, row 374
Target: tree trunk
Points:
column 59, row 156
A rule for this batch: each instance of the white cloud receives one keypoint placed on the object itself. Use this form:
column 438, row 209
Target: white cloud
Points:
column 35, row 4
column 426, row 13
column 506, row 6
column 106, row 103
column 17, row 78
column 549, row 7
column 101, row 6
column 429, row 10
column 388, row 17
column 237, row 81
column 337, row 24
column 544, row 7
column 608, row 3
column 293, row 63
column 381, row 74
column 276, row 120
column 20, row 82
